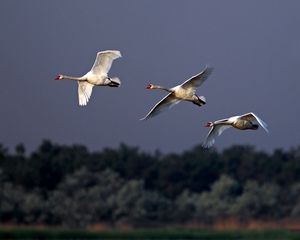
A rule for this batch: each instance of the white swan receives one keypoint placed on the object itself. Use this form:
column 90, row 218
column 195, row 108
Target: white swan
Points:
column 185, row 91
column 97, row 76
column 242, row 122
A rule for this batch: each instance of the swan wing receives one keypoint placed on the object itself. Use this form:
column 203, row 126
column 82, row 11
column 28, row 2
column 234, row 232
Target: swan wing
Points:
column 251, row 116
column 167, row 102
column 104, row 60
column 84, row 92
column 214, row 132
column 198, row 79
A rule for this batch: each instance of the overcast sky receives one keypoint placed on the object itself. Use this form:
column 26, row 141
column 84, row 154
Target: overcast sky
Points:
column 254, row 47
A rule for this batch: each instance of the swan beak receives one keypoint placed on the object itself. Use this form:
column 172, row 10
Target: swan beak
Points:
column 57, row 77
column 148, row 86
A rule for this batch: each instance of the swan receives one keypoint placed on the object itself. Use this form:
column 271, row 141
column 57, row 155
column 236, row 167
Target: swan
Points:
column 97, row 76
column 243, row 122
column 185, row 91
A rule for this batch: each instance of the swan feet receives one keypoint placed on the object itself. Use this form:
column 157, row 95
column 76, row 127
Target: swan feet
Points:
column 199, row 101
column 113, row 84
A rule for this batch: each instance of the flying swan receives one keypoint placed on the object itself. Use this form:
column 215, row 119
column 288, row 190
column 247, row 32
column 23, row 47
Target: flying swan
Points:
column 97, row 76
column 185, row 91
column 243, row 122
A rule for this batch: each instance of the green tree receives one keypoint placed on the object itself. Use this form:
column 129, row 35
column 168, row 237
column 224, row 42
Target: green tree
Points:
column 11, row 201
column 84, row 198
column 140, row 207
column 216, row 203
column 257, row 201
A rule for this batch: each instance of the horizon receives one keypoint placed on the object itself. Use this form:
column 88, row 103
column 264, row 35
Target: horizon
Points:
column 28, row 152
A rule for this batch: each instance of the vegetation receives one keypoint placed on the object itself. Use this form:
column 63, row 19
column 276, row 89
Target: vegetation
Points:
column 152, row 234
column 69, row 186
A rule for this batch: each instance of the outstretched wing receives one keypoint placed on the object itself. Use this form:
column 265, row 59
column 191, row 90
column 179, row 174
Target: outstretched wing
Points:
column 251, row 116
column 198, row 79
column 167, row 101
column 104, row 60
column 214, row 132
column 84, row 92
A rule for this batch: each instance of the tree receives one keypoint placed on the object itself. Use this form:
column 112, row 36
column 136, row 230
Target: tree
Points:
column 257, row 201
column 20, row 149
column 216, row 204
column 84, row 198
column 140, row 207
column 11, row 201
column 58, row 184
column 186, row 206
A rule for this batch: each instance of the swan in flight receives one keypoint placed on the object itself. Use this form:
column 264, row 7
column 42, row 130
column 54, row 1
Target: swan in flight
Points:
column 242, row 122
column 185, row 91
column 97, row 76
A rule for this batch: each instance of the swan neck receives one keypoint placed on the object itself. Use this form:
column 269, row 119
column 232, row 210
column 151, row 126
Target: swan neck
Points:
column 222, row 122
column 73, row 78
column 165, row 89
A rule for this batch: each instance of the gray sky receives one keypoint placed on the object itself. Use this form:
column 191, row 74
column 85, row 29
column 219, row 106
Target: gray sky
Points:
column 253, row 46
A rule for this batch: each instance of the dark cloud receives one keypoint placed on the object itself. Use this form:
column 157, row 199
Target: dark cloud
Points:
column 253, row 46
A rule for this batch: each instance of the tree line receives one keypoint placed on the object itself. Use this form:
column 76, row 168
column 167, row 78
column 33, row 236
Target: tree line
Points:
column 71, row 186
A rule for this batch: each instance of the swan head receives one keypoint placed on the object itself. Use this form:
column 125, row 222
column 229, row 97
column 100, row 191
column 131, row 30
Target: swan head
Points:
column 152, row 86
column 149, row 86
column 59, row 77
column 209, row 124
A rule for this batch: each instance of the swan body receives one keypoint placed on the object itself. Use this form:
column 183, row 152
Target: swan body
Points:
column 243, row 122
column 97, row 76
column 185, row 91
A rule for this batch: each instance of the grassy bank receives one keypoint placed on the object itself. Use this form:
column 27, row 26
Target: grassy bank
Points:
column 150, row 234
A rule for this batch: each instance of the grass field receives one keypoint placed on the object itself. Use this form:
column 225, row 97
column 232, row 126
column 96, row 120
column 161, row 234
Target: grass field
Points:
column 150, row 234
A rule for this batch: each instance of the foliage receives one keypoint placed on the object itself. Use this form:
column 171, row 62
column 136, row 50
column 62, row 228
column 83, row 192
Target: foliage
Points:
column 70, row 186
